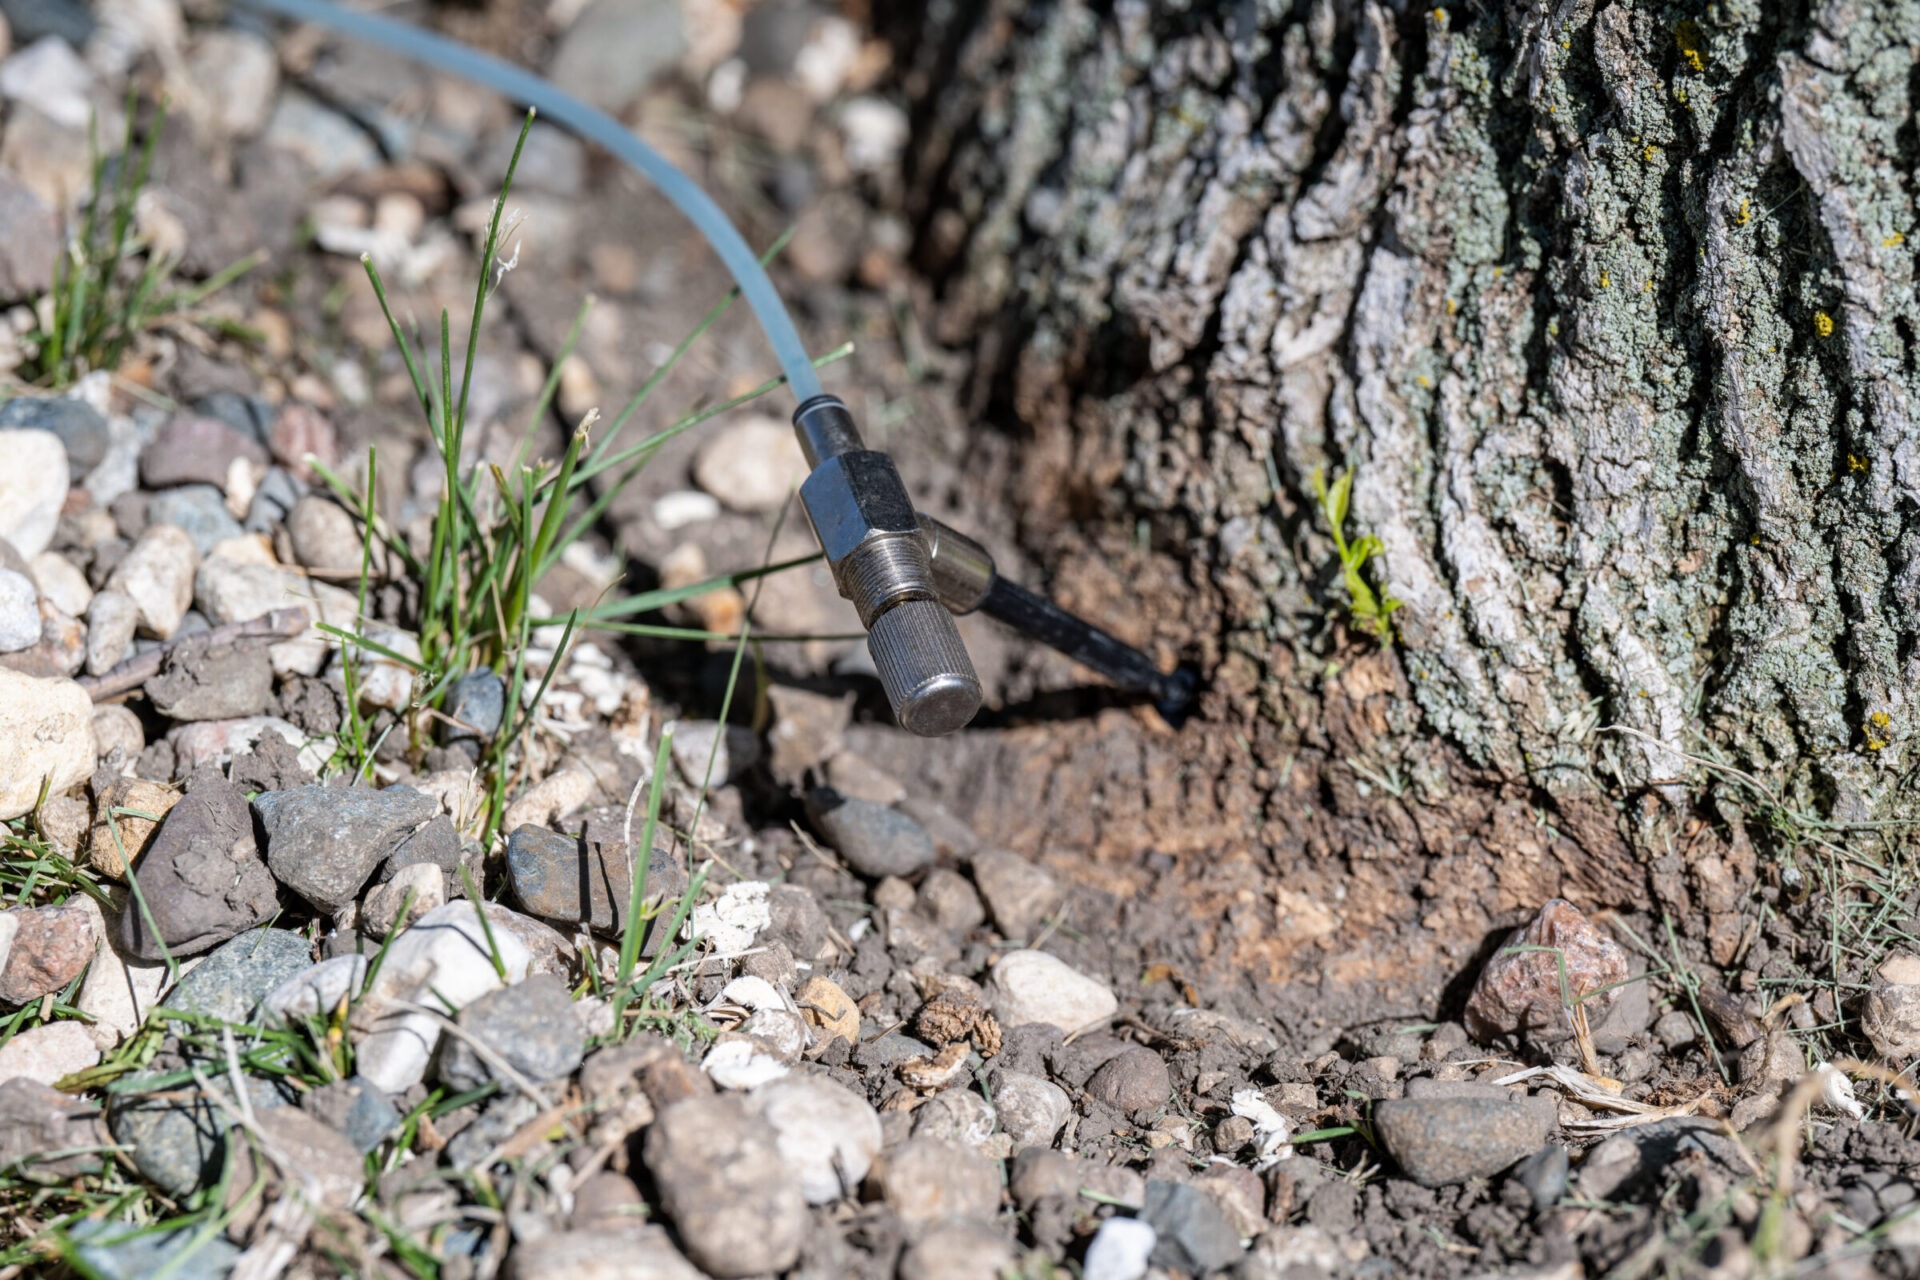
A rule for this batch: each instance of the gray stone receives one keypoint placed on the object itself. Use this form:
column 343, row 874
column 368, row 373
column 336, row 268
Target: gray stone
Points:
column 129, row 1251
column 1191, row 1232
column 738, row 1208
column 33, row 20
column 251, row 416
column 1019, row 894
column 477, row 700
column 437, row 844
column 200, row 510
column 1032, row 1110
column 230, row 983
column 875, row 841
column 204, row 679
column 273, row 500
column 1544, row 1175
column 615, row 1249
column 178, row 1133
column 530, row 1026
column 112, row 619
column 201, row 879
column 354, row 1108
column 1440, row 1141
column 81, row 430
column 324, row 842
column 1626, row 1163
column 324, row 536
column 562, row 878
column 615, row 48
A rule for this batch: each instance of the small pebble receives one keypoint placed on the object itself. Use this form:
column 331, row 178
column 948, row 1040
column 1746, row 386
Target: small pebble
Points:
column 1032, row 1110
column 33, row 488
column 19, row 612
column 324, row 842
column 529, row 1027
column 1121, row 1250
column 46, row 737
column 112, row 619
column 1522, row 991
column 157, row 575
column 827, row 1135
column 875, row 841
column 1032, row 986
column 926, row 1181
column 44, row 949
column 1440, row 1141
column 1891, row 1017
column 738, row 1207
column 82, row 432
column 958, row 1251
column 46, row 1053
column 1133, row 1080
column 1019, row 894
column 1544, row 1175
column 1191, row 1232
column 753, row 464
column 419, row 887
column 62, row 583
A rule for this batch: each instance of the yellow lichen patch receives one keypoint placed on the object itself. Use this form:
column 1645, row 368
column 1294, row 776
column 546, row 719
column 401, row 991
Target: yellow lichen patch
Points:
column 1648, row 152
column 1687, row 37
column 1823, row 324
column 1439, row 15
column 1606, row 280
column 1893, row 241
column 1856, row 463
column 1745, row 215
column 1878, row 730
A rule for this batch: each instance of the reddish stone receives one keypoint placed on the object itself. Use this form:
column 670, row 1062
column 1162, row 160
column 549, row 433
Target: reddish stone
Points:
column 1520, row 992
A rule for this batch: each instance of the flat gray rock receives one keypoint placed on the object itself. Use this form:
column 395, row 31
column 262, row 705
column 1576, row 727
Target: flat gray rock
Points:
column 324, row 842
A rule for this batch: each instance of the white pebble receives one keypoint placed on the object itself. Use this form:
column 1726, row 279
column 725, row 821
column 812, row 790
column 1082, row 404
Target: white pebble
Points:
column 33, row 488
column 827, row 1134
column 46, row 1053
column 157, row 575
column 19, row 612
column 1120, row 1250
column 46, row 735
column 683, row 507
column 1032, row 986
column 61, row 581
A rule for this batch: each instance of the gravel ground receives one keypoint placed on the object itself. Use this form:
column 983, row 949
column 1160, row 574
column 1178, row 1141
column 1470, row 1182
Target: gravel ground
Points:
column 321, row 961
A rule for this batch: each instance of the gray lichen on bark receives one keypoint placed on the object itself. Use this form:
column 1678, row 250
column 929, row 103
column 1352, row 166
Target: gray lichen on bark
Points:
column 1611, row 305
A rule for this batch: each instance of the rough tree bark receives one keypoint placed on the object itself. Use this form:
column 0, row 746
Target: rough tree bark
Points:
column 1610, row 306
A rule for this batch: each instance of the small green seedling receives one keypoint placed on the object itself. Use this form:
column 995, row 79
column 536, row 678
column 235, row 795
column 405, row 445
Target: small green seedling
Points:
column 1371, row 611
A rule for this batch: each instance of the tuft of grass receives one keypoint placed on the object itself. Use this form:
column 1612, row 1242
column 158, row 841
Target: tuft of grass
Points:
column 1371, row 610
column 109, row 285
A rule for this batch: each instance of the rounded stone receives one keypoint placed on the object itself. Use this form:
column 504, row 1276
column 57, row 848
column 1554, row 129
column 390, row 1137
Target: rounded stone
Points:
column 875, row 841
column 1032, row 986
column 1133, row 1080
column 826, row 1134
column 1441, row 1141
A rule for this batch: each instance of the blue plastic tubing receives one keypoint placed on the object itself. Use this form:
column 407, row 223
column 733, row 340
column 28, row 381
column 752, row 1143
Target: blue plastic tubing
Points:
column 595, row 126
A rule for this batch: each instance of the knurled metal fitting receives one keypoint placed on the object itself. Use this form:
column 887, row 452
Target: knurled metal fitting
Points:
column 878, row 554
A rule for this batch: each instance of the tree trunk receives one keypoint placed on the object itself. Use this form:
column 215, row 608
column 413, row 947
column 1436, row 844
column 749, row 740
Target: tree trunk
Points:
column 1611, row 315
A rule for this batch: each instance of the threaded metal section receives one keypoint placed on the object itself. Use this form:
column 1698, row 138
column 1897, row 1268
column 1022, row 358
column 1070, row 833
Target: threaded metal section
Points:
column 924, row 668
column 884, row 570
